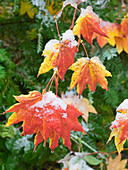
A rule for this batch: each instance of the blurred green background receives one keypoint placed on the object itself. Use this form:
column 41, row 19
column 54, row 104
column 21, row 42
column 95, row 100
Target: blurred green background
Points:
column 25, row 27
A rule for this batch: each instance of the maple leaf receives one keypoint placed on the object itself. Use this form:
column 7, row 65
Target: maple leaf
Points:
column 88, row 71
column 121, row 44
column 120, row 125
column 47, row 116
column 117, row 163
column 87, row 24
column 26, row 6
column 59, row 55
column 82, row 104
column 111, row 30
column 124, row 26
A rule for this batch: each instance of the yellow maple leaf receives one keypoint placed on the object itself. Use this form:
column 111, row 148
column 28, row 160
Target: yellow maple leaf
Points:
column 87, row 24
column 117, row 163
column 121, row 44
column 117, row 133
column 82, row 105
column 27, row 7
column 88, row 71
column 59, row 55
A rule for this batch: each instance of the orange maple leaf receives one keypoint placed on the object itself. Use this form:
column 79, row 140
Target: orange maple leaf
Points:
column 82, row 104
column 111, row 30
column 124, row 26
column 59, row 55
column 47, row 116
column 120, row 126
column 117, row 163
column 88, row 71
column 87, row 24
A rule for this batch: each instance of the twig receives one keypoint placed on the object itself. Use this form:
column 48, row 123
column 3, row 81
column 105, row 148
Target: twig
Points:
column 101, row 155
column 84, row 48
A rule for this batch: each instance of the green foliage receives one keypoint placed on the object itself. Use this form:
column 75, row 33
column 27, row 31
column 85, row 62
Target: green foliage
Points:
column 22, row 40
column 6, row 131
column 106, row 53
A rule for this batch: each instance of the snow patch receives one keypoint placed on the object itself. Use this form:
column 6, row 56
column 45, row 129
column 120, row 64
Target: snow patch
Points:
column 88, row 11
column 50, row 44
column 64, row 115
column 52, row 99
column 68, row 35
column 123, row 105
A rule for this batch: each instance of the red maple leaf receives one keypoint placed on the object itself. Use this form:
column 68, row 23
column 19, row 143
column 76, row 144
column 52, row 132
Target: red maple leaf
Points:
column 87, row 24
column 47, row 116
column 120, row 126
column 59, row 55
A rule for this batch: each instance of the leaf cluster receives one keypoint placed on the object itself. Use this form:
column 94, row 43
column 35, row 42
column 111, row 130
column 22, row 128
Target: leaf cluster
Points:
column 22, row 40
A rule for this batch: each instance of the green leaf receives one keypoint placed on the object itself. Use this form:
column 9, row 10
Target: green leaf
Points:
column 7, row 131
column 107, row 52
column 2, row 72
column 78, row 163
column 92, row 160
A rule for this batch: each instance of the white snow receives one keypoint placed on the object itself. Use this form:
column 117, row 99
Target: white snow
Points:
column 88, row 11
column 123, row 105
column 119, row 116
column 50, row 44
column 72, row 3
column 68, row 35
column 52, row 99
column 64, row 115
column 73, row 43
column 97, row 60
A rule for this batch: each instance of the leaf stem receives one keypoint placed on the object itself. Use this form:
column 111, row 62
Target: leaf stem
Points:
column 95, row 151
column 51, row 80
column 84, row 49
column 73, row 19
column 57, row 28
column 56, row 83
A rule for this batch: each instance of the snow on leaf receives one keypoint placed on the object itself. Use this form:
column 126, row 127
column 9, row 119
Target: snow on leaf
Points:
column 87, row 24
column 82, row 104
column 120, row 125
column 88, row 71
column 59, row 55
column 47, row 116
column 116, row 163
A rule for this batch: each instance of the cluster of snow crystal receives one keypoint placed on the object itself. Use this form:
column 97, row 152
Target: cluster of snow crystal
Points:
column 64, row 115
column 68, row 35
column 88, row 11
column 121, row 116
column 39, row 3
column 123, row 105
column 52, row 99
column 97, row 60
column 72, row 3
column 50, row 44
column 46, row 18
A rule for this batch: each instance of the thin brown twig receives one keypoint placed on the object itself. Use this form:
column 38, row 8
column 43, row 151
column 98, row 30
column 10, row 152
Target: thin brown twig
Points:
column 84, row 49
